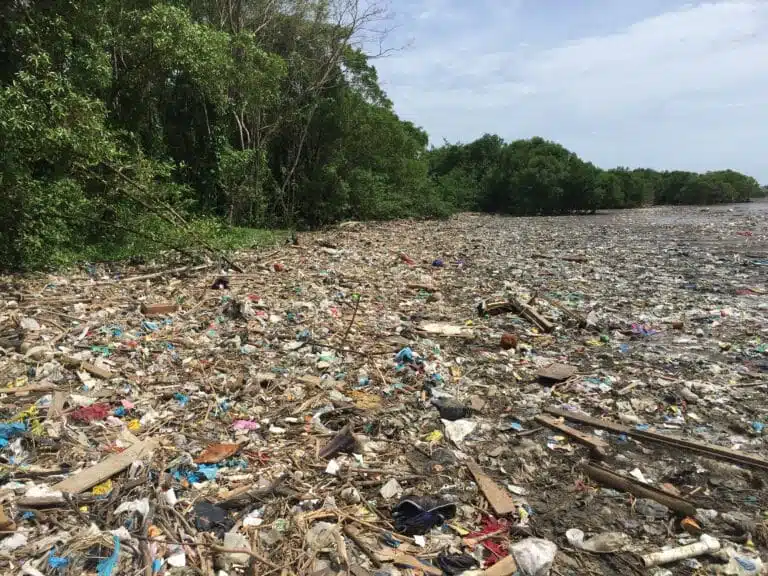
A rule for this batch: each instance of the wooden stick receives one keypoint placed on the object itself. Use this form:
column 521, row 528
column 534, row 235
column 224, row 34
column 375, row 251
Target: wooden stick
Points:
column 362, row 546
column 625, row 484
column 377, row 528
column 216, row 548
column 709, row 450
column 598, row 446
column 532, row 316
column 352, row 321
column 156, row 274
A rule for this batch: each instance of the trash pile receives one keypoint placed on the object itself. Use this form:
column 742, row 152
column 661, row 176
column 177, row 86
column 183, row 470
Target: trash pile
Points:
column 533, row 396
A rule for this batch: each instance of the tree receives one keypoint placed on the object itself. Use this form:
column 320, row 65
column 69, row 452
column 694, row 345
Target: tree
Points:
column 130, row 121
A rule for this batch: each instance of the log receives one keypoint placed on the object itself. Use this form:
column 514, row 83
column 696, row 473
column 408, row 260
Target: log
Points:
column 626, row 484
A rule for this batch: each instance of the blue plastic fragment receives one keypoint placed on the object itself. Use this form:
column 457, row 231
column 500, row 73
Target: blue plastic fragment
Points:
column 11, row 430
column 304, row 335
column 749, row 566
column 57, row 562
column 191, row 476
column 157, row 565
column 208, row 470
column 758, row 427
column 405, row 355
column 107, row 566
column 390, row 540
column 182, row 399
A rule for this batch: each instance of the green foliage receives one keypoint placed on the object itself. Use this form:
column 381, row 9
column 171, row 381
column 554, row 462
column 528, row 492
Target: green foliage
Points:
column 119, row 117
column 540, row 177
column 132, row 126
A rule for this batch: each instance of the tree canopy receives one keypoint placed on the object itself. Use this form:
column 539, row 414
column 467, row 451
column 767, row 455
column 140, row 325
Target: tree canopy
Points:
column 167, row 120
column 536, row 176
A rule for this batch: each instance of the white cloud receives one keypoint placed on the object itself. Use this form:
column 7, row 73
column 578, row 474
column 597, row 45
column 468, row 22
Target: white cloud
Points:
column 665, row 89
column 699, row 50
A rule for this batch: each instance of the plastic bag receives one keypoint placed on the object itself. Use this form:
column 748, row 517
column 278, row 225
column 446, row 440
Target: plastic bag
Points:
column 534, row 556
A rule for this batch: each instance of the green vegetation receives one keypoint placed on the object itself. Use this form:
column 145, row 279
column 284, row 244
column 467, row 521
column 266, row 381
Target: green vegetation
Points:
column 540, row 177
column 128, row 126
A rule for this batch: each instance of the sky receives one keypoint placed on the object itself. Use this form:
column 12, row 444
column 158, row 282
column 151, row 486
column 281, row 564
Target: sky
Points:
column 663, row 84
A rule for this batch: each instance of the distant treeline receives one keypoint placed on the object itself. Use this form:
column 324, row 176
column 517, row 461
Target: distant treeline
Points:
column 540, row 177
column 132, row 124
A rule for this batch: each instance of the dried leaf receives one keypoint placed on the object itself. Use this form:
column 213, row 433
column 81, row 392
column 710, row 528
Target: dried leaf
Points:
column 216, row 453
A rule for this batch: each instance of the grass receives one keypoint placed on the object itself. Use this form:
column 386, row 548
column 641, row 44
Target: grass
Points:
column 154, row 239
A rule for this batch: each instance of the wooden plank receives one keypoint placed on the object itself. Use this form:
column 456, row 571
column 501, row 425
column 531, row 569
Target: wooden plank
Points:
column 499, row 499
column 530, row 314
column 29, row 388
column 418, row 286
column 710, row 450
column 353, row 534
column 586, row 419
column 414, row 563
column 598, row 446
column 45, row 502
column 96, row 370
column 556, row 372
column 87, row 366
column 507, row 566
column 158, row 309
column 105, row 469
column 56, row 409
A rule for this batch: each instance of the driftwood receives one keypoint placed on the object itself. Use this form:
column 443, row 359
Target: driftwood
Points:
column 247, row 495
column 625, row 484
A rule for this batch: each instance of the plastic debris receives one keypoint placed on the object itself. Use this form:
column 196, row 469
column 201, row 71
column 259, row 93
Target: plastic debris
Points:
column 534, row 556
column 600, row 543
column 211, row 518
column 391, row 489
column 706, row 545
column 451, row 409
column 418, row 515
column 216, row 453
column 458, row 430
column 108, row 565
column 307, row 398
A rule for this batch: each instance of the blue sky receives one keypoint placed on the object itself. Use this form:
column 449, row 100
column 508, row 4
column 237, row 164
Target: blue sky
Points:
column 653, row 83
